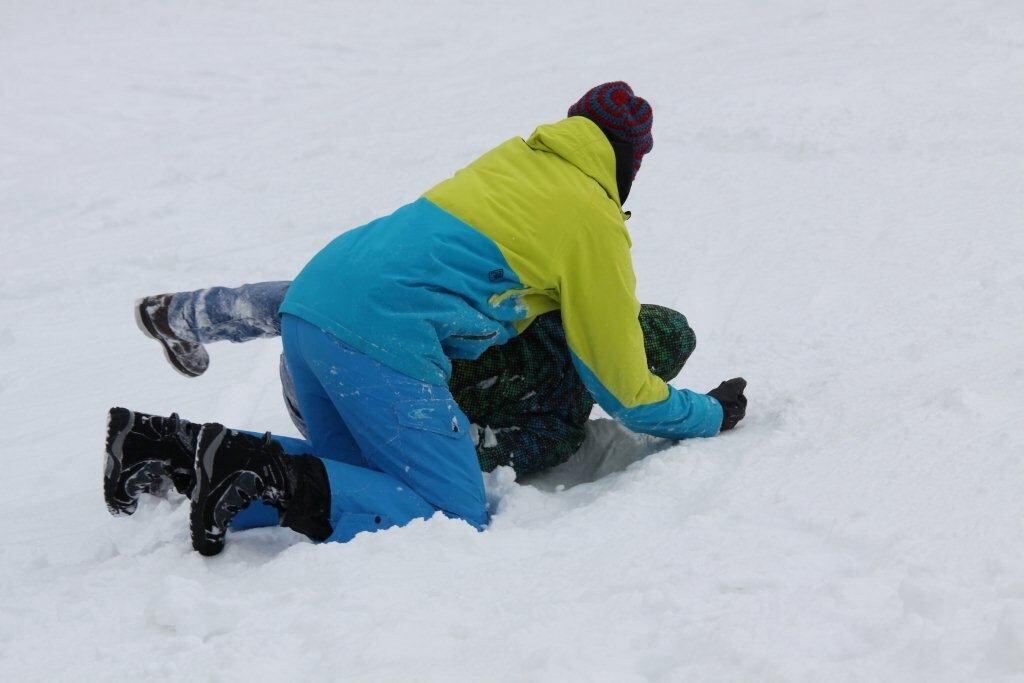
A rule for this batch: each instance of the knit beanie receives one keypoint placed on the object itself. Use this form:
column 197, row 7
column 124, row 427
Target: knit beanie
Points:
column 621, row 115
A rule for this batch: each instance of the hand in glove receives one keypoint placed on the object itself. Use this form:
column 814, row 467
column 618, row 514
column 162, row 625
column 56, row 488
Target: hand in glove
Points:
column 734, row 403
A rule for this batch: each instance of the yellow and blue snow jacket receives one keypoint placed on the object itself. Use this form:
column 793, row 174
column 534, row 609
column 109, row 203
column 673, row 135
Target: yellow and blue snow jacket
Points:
column 531, row 226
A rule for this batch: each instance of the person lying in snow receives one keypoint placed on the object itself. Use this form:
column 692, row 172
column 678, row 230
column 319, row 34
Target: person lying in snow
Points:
column 370, row 325
column 526, row 403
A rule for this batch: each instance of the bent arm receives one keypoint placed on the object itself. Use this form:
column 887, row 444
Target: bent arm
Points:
column 599, row 311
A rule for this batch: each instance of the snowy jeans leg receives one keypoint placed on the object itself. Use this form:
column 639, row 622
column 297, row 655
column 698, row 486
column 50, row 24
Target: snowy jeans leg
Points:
column 395, row 449
column 234, row 314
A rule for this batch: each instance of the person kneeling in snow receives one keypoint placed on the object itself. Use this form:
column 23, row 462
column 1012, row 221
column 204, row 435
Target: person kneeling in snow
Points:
column 371, row 323
column 527, row 404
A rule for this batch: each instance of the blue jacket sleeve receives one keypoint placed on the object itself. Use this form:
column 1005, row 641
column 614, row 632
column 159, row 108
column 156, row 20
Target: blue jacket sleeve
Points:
column 682, row 415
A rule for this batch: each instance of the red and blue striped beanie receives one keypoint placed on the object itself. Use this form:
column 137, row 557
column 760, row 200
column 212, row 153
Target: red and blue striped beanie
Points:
column 620, row 114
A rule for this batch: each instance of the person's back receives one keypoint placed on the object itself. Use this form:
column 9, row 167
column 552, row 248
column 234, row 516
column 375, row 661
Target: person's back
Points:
column 529, row 227
column 477, row 256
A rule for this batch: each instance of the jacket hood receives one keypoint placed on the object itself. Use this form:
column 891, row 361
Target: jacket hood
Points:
column 579, row 141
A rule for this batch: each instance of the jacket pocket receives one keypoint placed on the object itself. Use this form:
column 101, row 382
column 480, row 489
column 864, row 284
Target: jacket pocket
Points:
column 476, row 337
column 436, row 415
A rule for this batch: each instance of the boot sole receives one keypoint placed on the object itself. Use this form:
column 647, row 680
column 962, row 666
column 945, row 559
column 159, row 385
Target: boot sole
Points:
column 205, row 541
column 146, row 327
column 119, row 423
column 122, row 485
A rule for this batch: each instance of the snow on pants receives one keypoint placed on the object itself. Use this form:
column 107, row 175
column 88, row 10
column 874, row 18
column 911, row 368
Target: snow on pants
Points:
column 395, row 449
column 235, row 314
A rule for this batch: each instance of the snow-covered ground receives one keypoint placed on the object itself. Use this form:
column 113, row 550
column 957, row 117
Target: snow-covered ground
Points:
column 835, row 199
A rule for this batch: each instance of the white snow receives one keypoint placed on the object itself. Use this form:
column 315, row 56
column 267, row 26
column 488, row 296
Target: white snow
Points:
column 835, row 200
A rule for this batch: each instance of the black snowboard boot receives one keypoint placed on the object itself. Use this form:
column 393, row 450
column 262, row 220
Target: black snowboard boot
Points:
column 146, row 454
column 234, row 468
column 188, row 358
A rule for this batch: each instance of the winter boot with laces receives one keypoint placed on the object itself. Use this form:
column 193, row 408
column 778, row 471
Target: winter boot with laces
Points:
column 187, row 357
column 146, row 454
column 235, row 468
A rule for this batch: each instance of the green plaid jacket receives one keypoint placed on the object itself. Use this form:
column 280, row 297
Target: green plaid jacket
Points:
column 526, row 400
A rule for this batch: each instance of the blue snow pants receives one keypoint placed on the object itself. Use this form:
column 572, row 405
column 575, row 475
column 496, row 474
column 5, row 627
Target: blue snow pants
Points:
column 395, row 449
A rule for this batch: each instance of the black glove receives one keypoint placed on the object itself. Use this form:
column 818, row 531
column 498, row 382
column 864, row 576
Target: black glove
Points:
column 734, row 403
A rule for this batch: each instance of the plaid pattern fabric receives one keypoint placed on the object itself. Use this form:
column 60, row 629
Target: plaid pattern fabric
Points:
column 531, row 400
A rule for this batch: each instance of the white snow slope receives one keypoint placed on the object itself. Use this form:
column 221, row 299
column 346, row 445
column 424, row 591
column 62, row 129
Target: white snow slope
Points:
column 835, row 200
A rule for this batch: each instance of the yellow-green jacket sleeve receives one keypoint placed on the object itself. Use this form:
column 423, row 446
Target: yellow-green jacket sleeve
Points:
column 600, row 314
